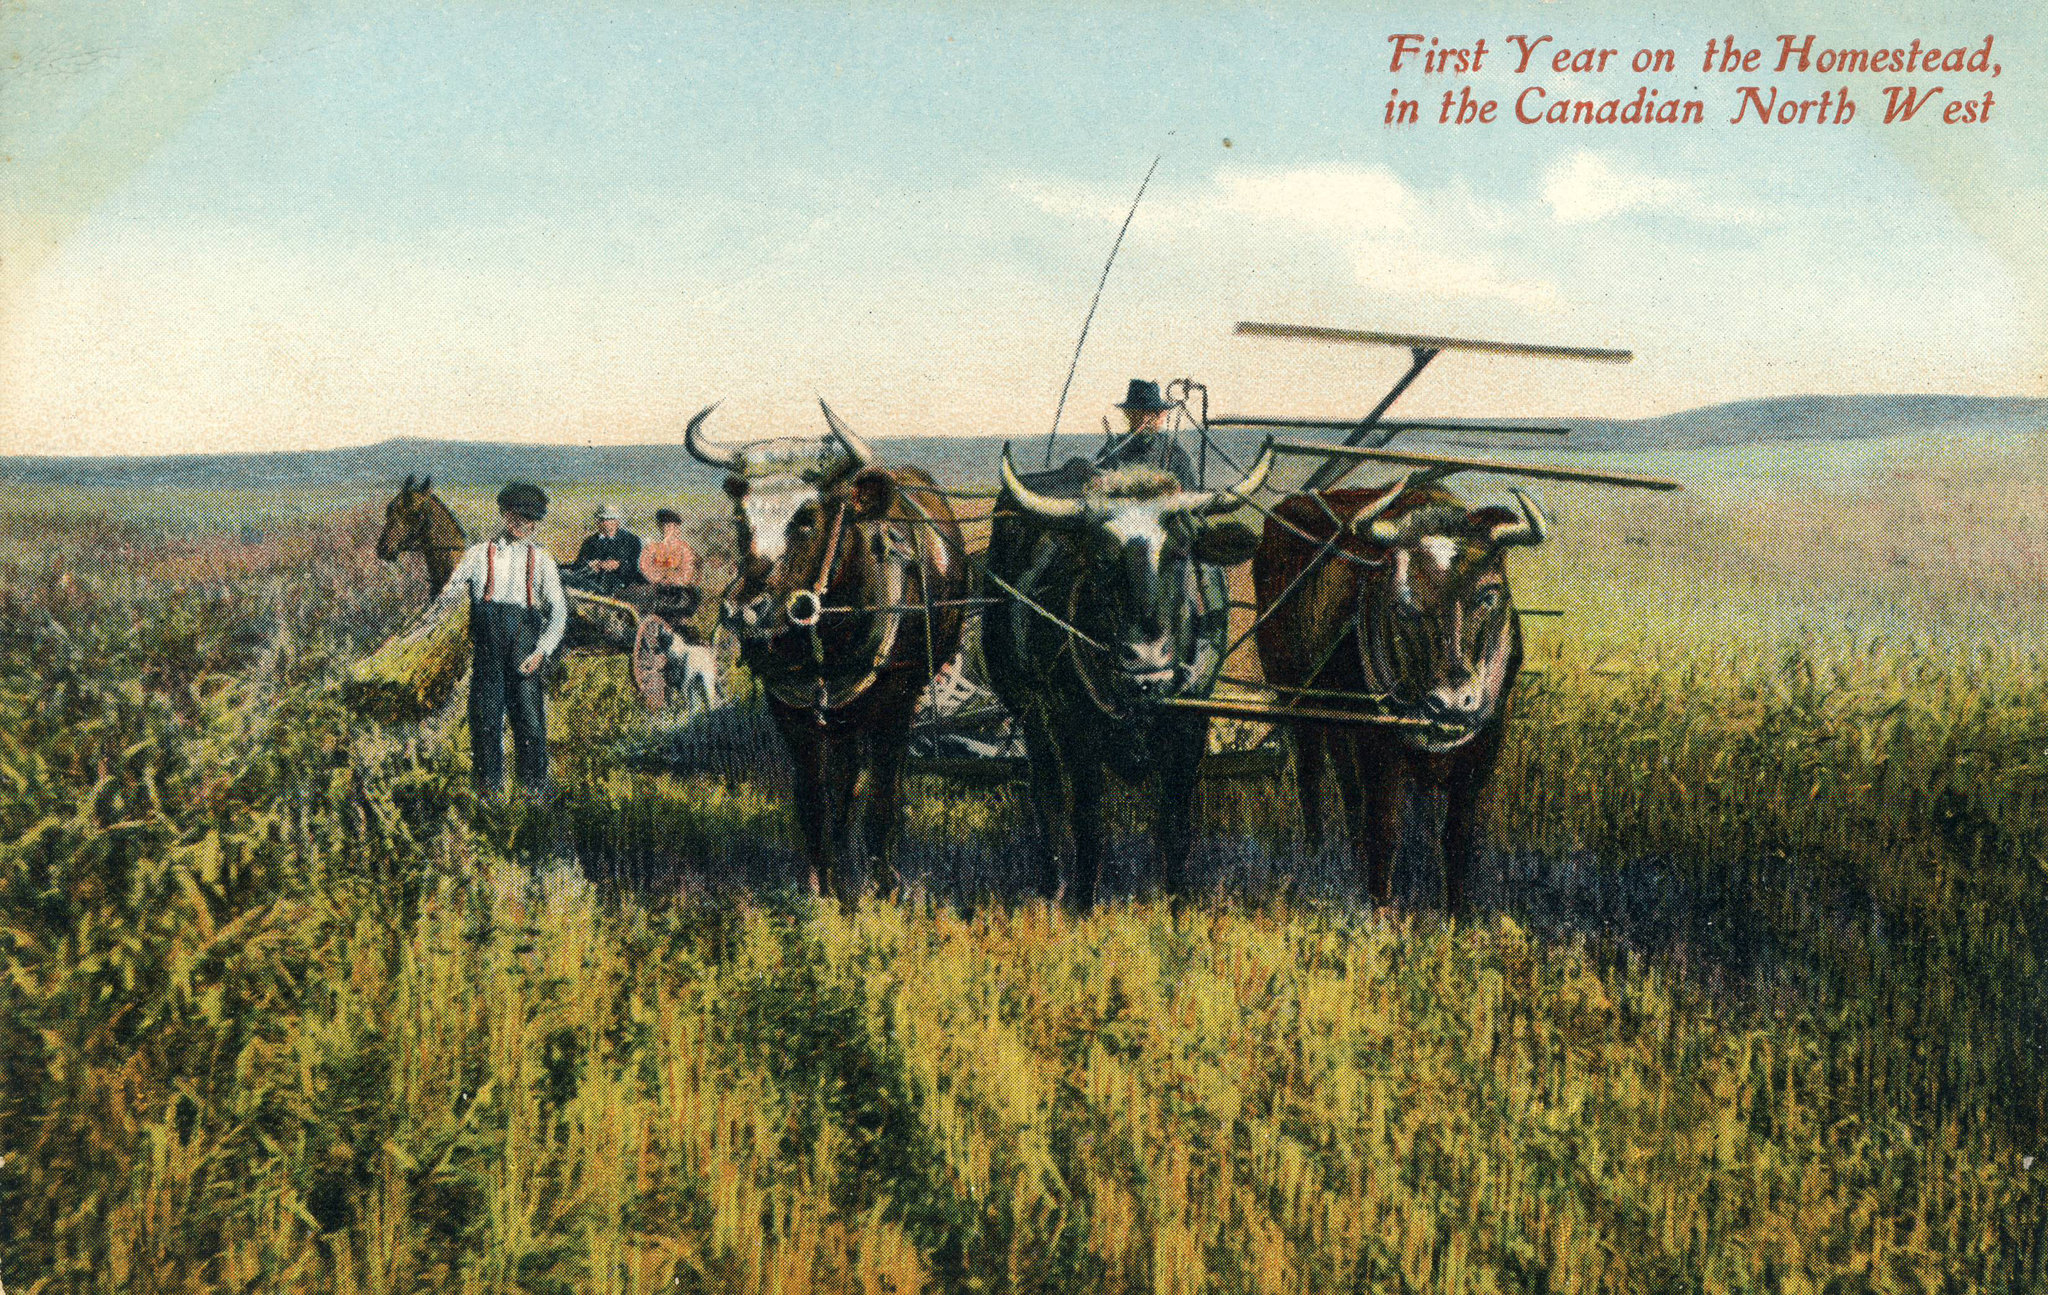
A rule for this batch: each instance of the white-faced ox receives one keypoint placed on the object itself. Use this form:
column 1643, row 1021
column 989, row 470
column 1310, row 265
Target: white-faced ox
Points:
column 1400, row 595
column 1111, row 596
column 847, row 599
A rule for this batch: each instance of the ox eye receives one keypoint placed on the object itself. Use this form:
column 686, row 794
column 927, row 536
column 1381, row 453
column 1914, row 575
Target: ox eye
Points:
column 1487, row 599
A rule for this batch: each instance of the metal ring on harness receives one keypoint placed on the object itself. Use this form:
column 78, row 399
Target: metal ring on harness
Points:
column 804, row 608
column 821, row 700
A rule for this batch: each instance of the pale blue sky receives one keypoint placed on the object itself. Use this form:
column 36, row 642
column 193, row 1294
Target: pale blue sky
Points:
column 243, row 224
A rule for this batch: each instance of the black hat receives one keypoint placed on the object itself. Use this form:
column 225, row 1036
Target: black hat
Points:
column 667, row 515
column 1144, row 395
column 530, row 502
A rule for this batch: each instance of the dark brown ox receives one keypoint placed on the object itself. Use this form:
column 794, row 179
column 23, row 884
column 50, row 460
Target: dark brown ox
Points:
column 1110, row 597
column 1410, row 604
column 844, row 612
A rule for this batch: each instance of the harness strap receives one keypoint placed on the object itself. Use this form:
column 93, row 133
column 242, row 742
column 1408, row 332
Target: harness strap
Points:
column 1073, row 631
column 821, row 699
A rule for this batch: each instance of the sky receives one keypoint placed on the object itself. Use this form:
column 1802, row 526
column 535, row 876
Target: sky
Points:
column 249, row 224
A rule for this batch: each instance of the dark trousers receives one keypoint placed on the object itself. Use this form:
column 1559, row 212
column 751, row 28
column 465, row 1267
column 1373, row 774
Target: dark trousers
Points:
column 502, row 636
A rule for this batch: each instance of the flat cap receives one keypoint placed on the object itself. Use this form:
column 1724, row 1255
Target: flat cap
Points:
column 528, row 501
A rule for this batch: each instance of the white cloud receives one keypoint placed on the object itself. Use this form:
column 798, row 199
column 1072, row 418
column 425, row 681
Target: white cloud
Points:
column 1345, row 202
column 1589, row 186
column 1397, row 239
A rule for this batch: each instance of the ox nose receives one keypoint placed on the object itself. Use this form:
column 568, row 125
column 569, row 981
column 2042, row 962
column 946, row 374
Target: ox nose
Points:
column 1455, row 703
column 1147, row 664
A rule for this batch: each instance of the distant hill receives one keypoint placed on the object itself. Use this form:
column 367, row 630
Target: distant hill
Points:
column 1812, row 418
column 972, row 459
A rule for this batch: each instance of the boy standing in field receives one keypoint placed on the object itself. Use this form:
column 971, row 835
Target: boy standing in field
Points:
column 517, row 614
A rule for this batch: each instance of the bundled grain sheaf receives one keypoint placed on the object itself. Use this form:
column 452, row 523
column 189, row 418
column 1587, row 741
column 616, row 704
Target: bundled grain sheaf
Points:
column 413, row 673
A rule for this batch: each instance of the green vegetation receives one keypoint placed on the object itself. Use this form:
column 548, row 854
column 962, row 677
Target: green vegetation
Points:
column 282, row 1006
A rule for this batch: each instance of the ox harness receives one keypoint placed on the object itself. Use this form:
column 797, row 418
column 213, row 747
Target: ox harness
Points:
column 900, row 554
column 1078, row 646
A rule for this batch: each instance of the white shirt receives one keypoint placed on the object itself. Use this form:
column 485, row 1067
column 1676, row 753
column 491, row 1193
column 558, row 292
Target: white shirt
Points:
column 501, row 563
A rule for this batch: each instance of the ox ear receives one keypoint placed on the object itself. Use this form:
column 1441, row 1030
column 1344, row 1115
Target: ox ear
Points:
column 407, row 488
column 1507, row 529
column 426, row 483
column 736, row 487
column 874, row 494
column 1479, row 523
column 1224, row 545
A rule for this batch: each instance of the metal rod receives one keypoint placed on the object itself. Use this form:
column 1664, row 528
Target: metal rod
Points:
column 1082, row 340
column 1376, row 699
column 907, row 607
column 1333, row 471
column 1401, row 425
column 1312, row 333
column 1249, row 710
column 1448, row 465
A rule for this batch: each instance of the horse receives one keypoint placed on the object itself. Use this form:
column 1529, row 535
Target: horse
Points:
column 416, row 521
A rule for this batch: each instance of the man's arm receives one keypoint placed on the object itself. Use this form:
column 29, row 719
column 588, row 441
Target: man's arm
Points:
column 558, row 606
column 468, row 574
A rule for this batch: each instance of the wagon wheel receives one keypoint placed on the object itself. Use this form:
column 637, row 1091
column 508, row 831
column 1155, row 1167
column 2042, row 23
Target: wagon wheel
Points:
column 650, row 661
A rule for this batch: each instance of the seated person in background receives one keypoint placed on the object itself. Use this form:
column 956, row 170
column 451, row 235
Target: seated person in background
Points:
column 669, row 564
column 609, row 559
column 1146, row 440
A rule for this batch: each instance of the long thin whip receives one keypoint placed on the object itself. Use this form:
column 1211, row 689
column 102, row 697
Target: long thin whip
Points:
column 1083, row 339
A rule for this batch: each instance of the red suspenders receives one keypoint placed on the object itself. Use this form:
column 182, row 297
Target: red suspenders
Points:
column 491, row 572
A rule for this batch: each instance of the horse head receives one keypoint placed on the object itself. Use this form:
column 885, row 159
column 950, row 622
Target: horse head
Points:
column 405, row 519
column 416, row 521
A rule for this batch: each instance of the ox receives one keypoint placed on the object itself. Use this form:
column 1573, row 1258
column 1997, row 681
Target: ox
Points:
column 848, row 599
column 1111, row 596
column 1400, row 594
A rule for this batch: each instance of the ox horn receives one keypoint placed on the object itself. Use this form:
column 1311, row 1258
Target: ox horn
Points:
column 702, row 451
column 863, row 453
column 1532, row 529
column 1050, row 507
column 1223, row 501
